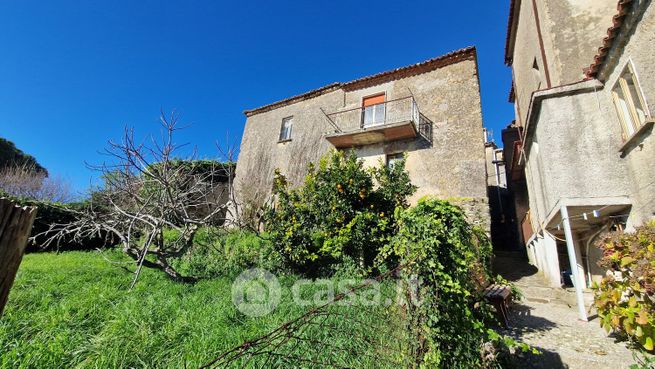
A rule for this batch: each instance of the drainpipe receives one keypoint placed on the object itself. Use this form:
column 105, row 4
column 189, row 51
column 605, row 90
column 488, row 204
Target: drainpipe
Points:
column 570, row 248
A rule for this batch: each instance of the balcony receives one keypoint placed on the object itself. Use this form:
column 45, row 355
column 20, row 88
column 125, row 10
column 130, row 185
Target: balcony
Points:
column 388, row 121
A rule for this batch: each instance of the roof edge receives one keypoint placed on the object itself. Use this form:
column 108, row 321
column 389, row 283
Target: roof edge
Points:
column 509, row 38
column 612, row 33
column 294, row 99
column 534, row 108
column 468, row 53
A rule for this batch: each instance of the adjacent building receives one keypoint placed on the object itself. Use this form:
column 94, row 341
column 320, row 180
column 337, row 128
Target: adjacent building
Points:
column 501, row 204
column 428, row 111
column 581, row 147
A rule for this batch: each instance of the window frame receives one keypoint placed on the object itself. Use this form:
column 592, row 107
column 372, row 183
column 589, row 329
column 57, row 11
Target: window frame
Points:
column 375, row 110
column 628, row 114
column 390, row 158
column 288, row 132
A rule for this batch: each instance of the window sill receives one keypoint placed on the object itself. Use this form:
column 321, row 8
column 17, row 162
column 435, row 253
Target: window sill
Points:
column 632, row 140
column 284, row 141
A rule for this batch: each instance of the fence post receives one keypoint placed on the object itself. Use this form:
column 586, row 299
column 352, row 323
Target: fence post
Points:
column 15, row 227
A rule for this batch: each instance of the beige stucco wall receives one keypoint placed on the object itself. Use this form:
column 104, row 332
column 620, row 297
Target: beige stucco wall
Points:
column 635, row 46
column 574, row 152
column 526, row 50
column 452, row 166
column 571, row 30
column 575, row 145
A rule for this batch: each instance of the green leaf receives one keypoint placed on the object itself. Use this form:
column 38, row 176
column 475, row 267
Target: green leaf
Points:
column 627, row 260
column 648, row 344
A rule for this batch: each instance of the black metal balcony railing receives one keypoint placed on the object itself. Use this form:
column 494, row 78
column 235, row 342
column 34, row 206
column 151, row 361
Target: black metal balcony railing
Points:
column 389, row 112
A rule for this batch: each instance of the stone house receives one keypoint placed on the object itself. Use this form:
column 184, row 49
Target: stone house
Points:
column 429, row 111
column 581, row 147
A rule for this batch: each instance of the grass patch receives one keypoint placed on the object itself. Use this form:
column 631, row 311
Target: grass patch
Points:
column 74, row 310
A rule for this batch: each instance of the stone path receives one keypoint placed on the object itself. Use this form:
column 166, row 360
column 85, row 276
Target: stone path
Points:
column 546, row 318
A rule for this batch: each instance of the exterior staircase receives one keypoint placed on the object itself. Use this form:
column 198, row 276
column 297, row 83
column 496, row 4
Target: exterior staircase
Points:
column 514, row 267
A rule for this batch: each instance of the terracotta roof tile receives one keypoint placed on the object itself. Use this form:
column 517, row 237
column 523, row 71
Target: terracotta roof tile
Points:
column 468, row 53
column 612, row 32
column 294, row 99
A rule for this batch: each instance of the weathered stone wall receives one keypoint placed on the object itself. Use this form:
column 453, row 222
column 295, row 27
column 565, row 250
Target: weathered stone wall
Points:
column 634, row 45
column 451, row 166
column 261, row 152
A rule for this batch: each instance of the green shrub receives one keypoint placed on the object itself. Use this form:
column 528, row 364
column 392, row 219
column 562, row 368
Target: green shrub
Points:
column 341, row 211
column 219, row 253
column 436, row 243
column 624, row 298
column 49, row 213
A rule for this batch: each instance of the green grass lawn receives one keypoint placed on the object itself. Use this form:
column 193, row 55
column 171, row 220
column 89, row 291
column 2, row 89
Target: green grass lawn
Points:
column 74, row 310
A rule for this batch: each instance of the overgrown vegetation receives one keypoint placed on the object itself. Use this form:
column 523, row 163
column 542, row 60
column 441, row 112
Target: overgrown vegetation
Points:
column 452, row 259
column 73, row 310
column 151, row 187
column 625, row 297
column 344, row 220
column 342, row 212
column 219, row 253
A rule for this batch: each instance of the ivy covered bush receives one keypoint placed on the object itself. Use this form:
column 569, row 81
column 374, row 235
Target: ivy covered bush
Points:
column 218, row 252
column 50, row 213
column 436, row 243
column 342, row 212
column 625, row 296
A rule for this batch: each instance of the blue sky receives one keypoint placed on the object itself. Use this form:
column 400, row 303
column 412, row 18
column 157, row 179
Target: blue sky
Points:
column 74, row 73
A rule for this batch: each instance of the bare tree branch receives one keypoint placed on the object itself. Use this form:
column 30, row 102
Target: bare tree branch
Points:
column 150, row 188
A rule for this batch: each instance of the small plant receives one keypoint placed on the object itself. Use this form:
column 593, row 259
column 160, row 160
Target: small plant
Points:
column 341, row 211
column 642, row 361
column 217, row 252
column 625, row 296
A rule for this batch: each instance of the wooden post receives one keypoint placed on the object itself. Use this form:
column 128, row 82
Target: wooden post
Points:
column 15, row 227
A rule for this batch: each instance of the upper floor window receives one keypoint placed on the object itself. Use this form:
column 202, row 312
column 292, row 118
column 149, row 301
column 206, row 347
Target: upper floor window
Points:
column 629, row 101
column 373, row 110
column 285, row 131
column 536, row 73
column 392, row 159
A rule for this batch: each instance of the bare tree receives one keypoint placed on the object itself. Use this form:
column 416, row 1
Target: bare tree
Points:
column 149, row 189
column 27, row 181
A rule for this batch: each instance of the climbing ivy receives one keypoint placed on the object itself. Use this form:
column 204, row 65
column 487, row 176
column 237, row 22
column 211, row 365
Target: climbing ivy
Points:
column 451, row 258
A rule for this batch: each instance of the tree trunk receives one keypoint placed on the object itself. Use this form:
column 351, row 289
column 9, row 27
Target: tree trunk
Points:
column 15, row 227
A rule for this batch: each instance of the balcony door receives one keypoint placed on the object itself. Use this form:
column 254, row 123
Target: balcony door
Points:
column 373, row 110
